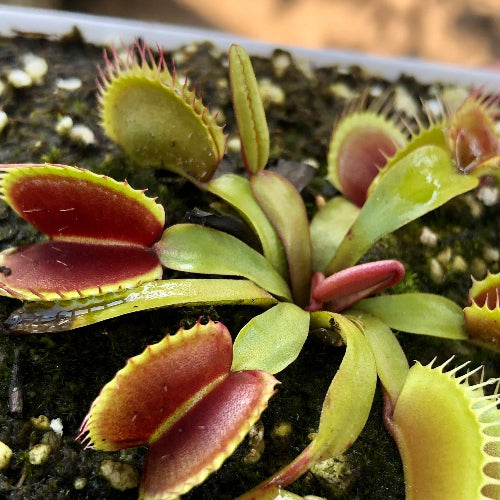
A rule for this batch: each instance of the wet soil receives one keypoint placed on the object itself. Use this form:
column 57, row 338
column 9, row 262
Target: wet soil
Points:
column 59, row 375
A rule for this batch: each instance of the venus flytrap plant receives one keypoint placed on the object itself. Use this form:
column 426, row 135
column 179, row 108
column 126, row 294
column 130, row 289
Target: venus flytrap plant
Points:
column 277, row 197
column 303, row 266
column 423, row 176
column 346, row 287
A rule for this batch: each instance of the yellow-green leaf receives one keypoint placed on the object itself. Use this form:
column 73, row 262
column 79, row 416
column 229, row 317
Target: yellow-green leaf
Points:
column 392, row 365
column 349, row 398
column 421, row 181
column 236, row 190
column 285, row 209
column 421, row 313
column 249, row 110
column 272, row 340
column 199, row 249
column 63, row 315
column 328, row 228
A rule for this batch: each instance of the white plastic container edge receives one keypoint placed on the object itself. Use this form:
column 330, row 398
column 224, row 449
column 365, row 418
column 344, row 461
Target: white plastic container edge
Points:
column 103, row 30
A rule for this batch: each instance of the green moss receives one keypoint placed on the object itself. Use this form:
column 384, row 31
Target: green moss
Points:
column 52, row 156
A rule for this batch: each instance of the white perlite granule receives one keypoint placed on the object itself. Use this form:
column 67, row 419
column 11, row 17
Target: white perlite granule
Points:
column 36, row 67
column 4, row 119
column 81, row 133
column 428, row 237
column 69, row 84
column 19, row 78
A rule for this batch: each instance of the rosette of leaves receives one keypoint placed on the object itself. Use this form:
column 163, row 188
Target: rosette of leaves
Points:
column 306, row 265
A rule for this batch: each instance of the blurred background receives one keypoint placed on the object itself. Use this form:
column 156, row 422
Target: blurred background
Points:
column 463, row 32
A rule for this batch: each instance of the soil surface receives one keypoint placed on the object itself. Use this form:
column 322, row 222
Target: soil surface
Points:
column 59, row 375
